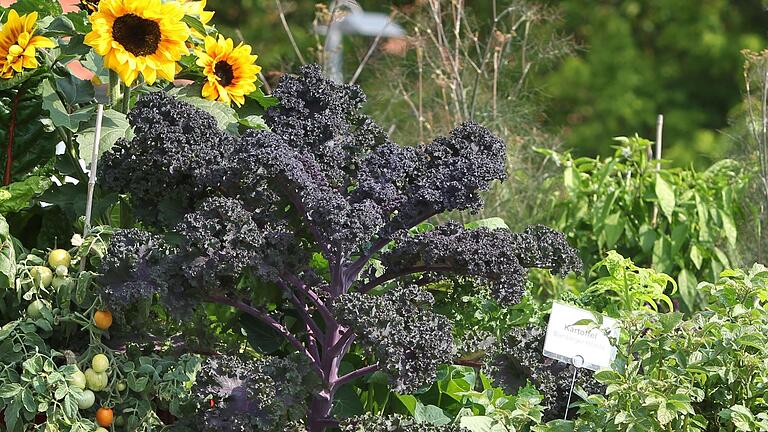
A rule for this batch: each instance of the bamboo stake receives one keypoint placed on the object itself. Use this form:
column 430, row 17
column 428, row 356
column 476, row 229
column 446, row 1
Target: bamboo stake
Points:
column 94, row 165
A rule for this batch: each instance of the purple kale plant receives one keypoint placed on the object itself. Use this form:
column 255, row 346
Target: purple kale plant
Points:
column 518, row 360
column 321, row 206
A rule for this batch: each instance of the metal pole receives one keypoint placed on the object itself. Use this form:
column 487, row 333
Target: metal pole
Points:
column 577, row 362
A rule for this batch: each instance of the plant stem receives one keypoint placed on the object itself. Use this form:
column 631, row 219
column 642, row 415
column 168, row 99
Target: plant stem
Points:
column 115, row 94
column 126, row 106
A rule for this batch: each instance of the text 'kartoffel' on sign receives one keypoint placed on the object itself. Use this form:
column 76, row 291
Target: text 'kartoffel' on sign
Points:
column 592, row 342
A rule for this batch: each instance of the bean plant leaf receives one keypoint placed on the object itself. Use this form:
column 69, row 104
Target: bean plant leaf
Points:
column 430, row 414
column 477, row 423
column 666, row 196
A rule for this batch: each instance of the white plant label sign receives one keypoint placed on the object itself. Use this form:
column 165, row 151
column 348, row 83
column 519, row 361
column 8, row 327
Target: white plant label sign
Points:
column 566, row 341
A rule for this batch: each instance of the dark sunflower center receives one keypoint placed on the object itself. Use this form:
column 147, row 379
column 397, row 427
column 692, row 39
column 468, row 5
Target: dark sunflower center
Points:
column 137, row 35
column 223, row 71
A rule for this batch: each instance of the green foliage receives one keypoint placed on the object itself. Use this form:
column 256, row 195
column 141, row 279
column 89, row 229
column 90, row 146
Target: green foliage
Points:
column 631, row 286
column 642, row 58
column 22, row 119
column 705, row 373
column 464, row 397
column 18, row 195
column 609, row 204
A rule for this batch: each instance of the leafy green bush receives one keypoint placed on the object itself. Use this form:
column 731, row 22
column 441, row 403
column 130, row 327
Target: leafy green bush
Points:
column 705, row 373
column 677, row 221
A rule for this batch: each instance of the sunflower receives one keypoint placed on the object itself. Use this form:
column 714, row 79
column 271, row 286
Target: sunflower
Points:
column 231, row 71
column 197, row 9
column 139, row 36
column 18, row 43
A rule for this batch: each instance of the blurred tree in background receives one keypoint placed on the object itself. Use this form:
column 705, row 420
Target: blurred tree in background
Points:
column 637, row 59
column 640, row 58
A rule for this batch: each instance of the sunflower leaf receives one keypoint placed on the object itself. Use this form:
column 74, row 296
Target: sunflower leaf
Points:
column 58, row 112
column 113, row 127
column 42, row 7
column 194, row 24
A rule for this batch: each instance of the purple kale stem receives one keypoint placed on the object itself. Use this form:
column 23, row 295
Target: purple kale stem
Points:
column 390, row 276
column 354, row 269
column 297, row 283
column 367, row 370
column 268, row 320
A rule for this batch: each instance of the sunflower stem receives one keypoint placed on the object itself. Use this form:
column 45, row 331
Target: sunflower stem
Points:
column 126, row 99
column 115, row 94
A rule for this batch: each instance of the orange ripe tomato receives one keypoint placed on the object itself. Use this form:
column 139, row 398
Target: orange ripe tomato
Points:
column 102, row 319
column 104, row 417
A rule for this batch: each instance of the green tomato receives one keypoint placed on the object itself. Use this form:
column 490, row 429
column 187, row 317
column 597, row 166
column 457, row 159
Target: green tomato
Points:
column 62, row 271
column 77, row 379
column 60, row 282
column 41, row 275
column 119, row 421
column 59, row 257
column 86, row 399
column 35, row 309
column 101, row 429
column 100, row 363
column 96, row 381
column 121, row 386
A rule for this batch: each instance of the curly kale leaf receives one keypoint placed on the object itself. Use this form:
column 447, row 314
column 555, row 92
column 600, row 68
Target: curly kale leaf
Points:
column 452, row 171
column 519, row 360
column 223, row 237
column 319, row 117
column 172, row 160
column 236, row 395
column 497, row 256
column 131, row 269
column 401, row 331
column 396, row 423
